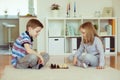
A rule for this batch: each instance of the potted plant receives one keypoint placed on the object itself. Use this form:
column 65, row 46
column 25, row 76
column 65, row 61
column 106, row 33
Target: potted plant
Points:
column 55, row 7
column 55, row 10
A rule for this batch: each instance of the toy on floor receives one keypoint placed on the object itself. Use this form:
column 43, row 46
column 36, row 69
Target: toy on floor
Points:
column 58, row 66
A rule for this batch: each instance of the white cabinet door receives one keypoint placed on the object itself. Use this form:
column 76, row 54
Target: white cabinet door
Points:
column 56, row 46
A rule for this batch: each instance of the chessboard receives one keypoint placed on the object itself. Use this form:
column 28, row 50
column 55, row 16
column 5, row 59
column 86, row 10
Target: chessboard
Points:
column 59, row 66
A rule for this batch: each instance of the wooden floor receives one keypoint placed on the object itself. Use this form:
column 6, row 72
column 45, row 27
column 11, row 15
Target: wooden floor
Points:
column 5, row 60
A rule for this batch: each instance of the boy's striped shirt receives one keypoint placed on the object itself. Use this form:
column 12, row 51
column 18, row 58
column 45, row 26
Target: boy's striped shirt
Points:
column 18, row 50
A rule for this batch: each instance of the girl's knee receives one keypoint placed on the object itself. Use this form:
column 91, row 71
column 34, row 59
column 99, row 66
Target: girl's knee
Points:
column 88, row 57
column 91, row 59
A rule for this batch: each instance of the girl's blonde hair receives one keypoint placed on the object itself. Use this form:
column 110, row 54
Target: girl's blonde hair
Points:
column 90, row 32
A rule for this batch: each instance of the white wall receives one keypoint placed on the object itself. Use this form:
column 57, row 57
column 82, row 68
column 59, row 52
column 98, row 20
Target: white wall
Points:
column 116, row 10
column 85, row 8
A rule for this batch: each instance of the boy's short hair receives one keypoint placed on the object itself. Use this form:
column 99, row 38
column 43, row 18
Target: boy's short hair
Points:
column 33, row 23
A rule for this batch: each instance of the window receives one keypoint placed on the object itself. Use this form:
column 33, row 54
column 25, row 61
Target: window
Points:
column 14, row 6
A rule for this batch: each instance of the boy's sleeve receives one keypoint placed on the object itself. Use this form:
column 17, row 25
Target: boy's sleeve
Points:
column 25, row 40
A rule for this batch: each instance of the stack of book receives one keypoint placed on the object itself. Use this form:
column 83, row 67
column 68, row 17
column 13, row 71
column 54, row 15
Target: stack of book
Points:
column 73, row 45
column 109, row 44
column 70, row 30
column 108, row 28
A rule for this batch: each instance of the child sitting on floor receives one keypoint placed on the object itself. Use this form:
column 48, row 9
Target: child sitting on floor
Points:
column 93, row 46
column 23, row 56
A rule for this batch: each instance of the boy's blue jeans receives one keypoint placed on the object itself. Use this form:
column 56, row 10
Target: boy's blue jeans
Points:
column 31, row 61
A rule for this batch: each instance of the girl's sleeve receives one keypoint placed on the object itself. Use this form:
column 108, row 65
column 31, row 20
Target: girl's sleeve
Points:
column 80, row 50
column 101, row 52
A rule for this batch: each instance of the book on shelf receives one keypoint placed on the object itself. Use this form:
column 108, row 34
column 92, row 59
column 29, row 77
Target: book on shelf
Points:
column 108, row 29
column 112, row 44
column 70, row 30
column 73, row 45
column 109, row 44
column 78, row 42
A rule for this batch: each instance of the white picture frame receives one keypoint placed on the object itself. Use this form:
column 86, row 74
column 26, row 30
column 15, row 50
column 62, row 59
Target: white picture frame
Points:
column 107, row 12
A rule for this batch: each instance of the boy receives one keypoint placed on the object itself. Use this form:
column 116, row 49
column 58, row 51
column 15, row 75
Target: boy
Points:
column 23, row 56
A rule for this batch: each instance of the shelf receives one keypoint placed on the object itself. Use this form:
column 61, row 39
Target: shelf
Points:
column 110, row 53
column 61, row 18
column 68, row 28
column 75, row 36
column 56, row 36
column 104, row 35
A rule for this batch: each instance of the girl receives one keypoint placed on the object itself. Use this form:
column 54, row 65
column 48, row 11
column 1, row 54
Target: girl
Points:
column 93, row 47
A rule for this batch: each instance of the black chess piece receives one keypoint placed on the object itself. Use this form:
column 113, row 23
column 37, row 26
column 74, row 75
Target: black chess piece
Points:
column 58, row 66
column 40, row 66
column 52, row 66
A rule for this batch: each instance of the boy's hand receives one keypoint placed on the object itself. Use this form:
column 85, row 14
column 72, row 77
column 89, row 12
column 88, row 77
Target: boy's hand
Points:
column 99, row 67
column 40, row 60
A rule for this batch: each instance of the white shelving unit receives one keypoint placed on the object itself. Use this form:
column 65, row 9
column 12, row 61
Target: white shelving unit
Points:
column 67, row 29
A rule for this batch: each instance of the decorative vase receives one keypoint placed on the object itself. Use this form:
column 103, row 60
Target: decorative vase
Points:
column 55, row 13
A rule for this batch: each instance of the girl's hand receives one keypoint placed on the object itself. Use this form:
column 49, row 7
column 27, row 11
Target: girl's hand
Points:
column 100, row 67
column 75, row 61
